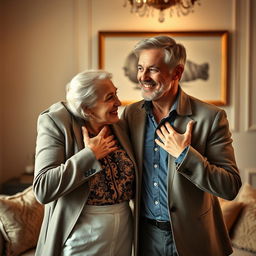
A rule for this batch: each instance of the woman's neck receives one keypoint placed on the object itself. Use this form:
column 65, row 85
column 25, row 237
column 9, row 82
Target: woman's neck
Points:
column 94, row 128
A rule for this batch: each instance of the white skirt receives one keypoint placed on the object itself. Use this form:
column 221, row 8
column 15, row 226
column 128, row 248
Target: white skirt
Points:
column 102, row 231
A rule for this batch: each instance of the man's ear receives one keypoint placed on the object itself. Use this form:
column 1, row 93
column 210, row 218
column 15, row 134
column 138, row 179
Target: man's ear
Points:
column 177, row 72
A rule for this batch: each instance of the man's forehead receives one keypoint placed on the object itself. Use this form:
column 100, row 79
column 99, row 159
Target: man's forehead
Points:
column 151, row 55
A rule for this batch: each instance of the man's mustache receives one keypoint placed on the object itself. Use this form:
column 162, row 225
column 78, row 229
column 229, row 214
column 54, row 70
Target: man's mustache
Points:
column 148, row 82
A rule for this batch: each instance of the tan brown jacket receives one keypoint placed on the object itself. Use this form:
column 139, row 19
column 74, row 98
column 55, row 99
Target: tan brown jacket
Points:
column 208, row 171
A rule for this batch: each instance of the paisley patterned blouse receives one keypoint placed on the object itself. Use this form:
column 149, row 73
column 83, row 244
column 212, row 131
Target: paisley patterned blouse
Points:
column 116, row 182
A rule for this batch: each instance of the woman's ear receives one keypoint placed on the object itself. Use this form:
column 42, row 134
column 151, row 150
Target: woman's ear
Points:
column 87, row 111
column 177, row 72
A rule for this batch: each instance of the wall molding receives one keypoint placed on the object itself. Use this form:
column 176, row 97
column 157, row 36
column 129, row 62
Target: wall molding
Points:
column 249, row 125
column 234, row 100
column 243, row 67
column 83, row 34
column 249, row 122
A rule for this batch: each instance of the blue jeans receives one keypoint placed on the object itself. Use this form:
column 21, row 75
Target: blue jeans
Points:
column 155, row 242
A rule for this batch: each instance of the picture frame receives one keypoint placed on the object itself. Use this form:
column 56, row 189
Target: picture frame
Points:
column 206, row 71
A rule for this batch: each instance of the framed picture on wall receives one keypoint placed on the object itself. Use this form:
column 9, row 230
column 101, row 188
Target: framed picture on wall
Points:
column 205, row 75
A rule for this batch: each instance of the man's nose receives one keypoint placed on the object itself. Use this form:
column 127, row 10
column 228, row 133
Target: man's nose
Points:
column 143, row 75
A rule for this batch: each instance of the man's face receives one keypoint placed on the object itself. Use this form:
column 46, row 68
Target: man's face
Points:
column 153, row 75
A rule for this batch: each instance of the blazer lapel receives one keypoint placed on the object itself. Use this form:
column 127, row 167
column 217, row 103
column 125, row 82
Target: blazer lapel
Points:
column 138, row 134
column 77, row 124
column 184, row 111
column 123, row 139
column 184, row 105
column 77, row 129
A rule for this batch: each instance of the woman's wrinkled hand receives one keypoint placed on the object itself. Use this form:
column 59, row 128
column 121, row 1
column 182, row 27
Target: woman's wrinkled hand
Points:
column 102, row 144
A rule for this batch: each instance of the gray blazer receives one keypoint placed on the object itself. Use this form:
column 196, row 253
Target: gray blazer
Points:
column 208, row 171
column 62, row 169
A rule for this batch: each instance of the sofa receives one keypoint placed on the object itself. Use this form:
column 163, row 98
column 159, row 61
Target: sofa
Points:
column 21, row 217
column 20, row 221
column 240, row 219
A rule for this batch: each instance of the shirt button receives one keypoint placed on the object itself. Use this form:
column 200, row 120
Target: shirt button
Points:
column 155, row 149
column 155, row 165
column 156, row 202
column 155, row 184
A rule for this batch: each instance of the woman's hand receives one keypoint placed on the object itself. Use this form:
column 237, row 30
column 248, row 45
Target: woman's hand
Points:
column 101, row 145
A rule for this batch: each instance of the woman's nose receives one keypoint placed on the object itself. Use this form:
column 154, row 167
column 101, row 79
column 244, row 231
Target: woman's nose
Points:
column 117, row 102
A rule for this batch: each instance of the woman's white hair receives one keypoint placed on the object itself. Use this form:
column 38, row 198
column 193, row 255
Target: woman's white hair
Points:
column 81, row 91
column 175, row 53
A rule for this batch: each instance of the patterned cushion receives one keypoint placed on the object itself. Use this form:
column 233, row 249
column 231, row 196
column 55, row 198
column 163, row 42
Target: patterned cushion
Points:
column 241, row 252
column 231, row 211
column 244, row 233
column 20, row 217
column 247, row 194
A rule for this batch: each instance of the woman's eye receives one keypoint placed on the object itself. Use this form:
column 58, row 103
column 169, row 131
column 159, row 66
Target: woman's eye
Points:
column 110, row 97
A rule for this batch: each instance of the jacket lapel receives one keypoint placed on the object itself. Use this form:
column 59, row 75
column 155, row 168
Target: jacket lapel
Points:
column 77, row 129
column 77, row 124
column 184, row 112
column 123, row 139
column 138, row 136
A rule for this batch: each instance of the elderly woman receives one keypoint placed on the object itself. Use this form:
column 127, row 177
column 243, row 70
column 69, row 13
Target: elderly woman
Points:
column 84, row 172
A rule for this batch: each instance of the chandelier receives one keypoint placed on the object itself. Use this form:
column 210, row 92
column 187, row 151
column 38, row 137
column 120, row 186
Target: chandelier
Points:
column 146, row 7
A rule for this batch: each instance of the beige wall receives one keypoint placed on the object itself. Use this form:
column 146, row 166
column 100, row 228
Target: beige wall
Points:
column 46, row 42
column 39, row 54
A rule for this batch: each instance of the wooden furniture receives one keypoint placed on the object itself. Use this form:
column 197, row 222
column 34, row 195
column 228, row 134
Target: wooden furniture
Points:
column 17, row 184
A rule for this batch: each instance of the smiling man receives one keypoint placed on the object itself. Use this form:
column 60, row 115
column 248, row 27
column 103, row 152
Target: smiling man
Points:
column 184, row 152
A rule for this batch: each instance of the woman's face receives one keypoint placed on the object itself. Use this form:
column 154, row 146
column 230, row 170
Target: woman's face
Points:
column 105, row 109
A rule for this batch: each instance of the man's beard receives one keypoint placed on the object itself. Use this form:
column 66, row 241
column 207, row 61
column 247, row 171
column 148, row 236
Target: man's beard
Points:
column 154, row 94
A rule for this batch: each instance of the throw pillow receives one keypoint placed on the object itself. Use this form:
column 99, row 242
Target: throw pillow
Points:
column 244, row 234
column 230, row 211
column 21, row 218
column 247, row 194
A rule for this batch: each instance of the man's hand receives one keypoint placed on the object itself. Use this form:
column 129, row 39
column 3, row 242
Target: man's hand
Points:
column 101, row 145
column 173, row 142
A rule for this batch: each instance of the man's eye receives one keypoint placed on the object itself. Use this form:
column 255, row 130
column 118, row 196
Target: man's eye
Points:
column 153, row 70
column 140, row 68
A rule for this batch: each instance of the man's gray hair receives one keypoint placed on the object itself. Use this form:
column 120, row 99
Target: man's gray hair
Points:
column 175, row 54
column 81, row 91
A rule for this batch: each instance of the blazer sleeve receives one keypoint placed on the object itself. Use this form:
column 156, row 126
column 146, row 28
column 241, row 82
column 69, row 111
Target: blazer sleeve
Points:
column 56, row 173
column 215, row 171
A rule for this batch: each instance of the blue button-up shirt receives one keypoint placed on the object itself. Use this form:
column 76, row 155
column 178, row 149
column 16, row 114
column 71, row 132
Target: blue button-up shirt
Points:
column 154, row 182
